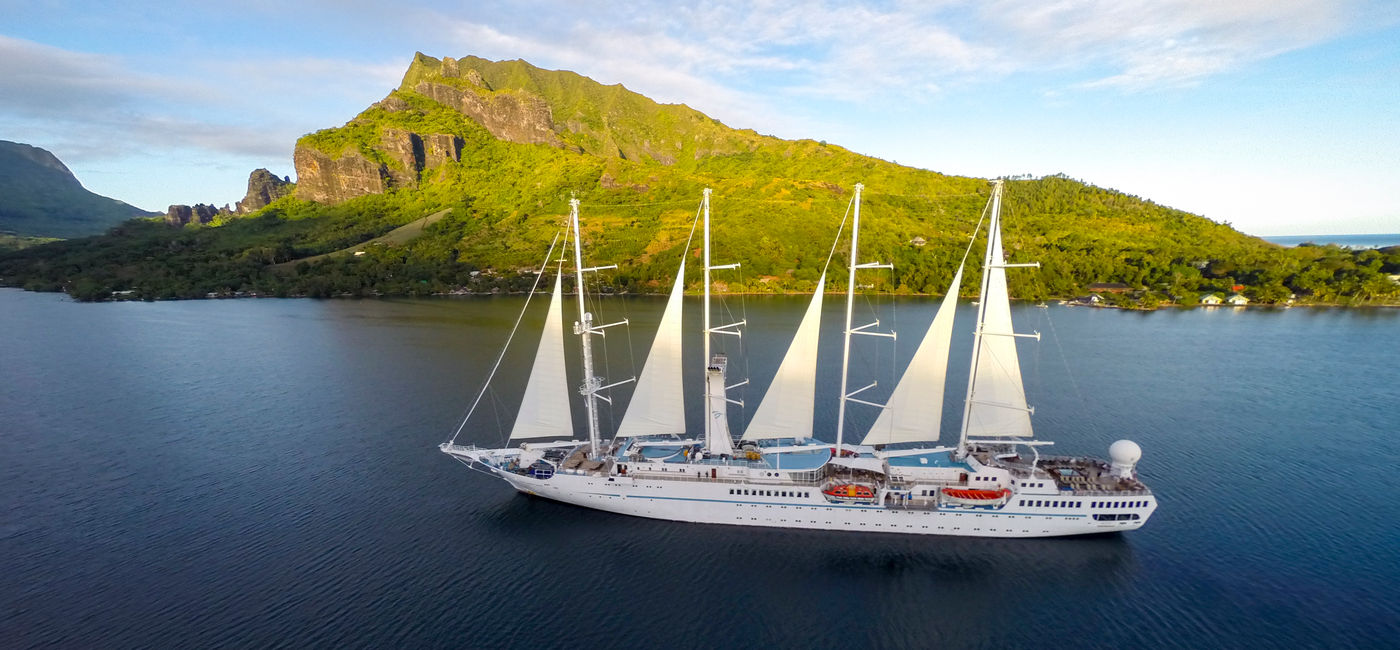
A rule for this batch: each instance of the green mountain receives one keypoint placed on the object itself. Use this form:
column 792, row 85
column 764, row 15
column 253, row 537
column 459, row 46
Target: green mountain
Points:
column 39, row 197
column 503, row 145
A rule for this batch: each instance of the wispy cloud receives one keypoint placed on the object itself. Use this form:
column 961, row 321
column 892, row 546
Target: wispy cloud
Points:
column 1150, row 43
column 664, row 68
column 39, row 80
column 94, row 107
column 748, row 63
column 730, row 53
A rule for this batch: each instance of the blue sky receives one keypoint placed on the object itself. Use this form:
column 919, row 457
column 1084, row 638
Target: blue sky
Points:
column 1278, row 116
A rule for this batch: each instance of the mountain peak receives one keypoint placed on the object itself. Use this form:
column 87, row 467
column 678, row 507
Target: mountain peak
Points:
column 40, row 197
column 35, row 155
column 514, row 101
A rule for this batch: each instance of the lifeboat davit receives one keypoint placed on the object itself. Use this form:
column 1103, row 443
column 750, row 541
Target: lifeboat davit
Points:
column 968, row 497
column 847, row 492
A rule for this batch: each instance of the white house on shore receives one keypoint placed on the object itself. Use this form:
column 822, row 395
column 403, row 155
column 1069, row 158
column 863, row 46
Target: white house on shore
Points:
column 1212, row 299
column 1238, row 300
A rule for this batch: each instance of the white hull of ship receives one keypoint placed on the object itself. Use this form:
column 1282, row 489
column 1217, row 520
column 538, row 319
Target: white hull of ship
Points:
column 707, row 502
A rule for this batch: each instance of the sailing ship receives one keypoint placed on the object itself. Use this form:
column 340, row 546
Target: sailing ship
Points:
column 992, row 482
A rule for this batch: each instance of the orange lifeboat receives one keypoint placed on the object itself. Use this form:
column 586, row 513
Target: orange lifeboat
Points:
column 968, row 497
column 847, row 492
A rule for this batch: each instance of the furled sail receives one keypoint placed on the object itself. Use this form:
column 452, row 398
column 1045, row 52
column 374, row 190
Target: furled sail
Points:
column 658, row 403
column 998, row 399
column 787, row 406
column 915, row 408
column 544, row 411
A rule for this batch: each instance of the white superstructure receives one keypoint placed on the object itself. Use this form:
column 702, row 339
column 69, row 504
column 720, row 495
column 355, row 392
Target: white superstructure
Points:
column 993, row 482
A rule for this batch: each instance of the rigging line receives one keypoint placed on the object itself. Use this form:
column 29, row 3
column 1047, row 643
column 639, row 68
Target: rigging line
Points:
column 926, row 197
column 496, row 407
column 790, row 201
column 1068, row 373
column 502, row 356
column 632, row 205
column 470, row 466
column 631, row 361
column 694, row 223
column 973, row 239
column 839, row 229
column 743, row 353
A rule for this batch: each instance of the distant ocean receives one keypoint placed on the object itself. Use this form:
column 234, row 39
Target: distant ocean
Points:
column 1348, row 241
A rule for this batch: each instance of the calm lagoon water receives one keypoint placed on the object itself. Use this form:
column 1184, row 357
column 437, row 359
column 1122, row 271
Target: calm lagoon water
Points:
column 265, row 473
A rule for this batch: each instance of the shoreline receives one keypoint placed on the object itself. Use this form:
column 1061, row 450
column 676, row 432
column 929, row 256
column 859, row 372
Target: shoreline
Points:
column 1064, row 302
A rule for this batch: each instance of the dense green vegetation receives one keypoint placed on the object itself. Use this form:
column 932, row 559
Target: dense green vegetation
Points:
column 14, row 243
column 40, row 198
column 639, row 167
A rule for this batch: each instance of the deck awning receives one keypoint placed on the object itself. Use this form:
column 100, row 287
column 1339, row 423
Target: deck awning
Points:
column 867, row 464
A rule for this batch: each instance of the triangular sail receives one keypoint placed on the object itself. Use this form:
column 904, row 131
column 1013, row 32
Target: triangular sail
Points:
column 658, row 403
column 915, row 408
column 787, row 407
column 544, row 411
column 998, row 398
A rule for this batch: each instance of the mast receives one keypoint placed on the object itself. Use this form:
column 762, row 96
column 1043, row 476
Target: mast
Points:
column 705, row 203
column 584, row 328
column 846, row 339
column 992, row 226
column 846, row 344
column 992, row 270
column 717, row 438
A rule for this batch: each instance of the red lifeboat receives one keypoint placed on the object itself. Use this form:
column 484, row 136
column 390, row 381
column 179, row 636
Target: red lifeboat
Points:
column 849, row 492
column 976, row 497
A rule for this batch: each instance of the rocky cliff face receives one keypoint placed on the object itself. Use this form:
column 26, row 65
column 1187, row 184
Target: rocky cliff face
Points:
column 263, row 188
column 514, row 116
column 331, row 179
column 324, row 179
column 199, row 213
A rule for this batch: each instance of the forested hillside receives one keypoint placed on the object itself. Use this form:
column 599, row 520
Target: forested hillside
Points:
column 504, row 145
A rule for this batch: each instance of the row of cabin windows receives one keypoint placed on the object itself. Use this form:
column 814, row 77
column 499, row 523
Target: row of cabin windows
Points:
column 1118, row 504
column 1037, row 503
column 769, row 493
column 1025, row 484
column 1123, row 517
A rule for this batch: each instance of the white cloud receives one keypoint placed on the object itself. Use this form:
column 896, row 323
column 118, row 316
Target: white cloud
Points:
column 38, row 80
column 663, row 68
column 94, row 107
column 749, row 62
column 1145, row 43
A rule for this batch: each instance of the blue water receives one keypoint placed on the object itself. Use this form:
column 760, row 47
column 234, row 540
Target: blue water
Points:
column 264, row 473
column 1345, row 241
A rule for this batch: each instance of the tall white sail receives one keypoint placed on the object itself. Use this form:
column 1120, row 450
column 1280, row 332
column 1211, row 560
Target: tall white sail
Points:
column 544, row 411
column 915, row 408
column 787, row 407
column 658, row 403
column 997, row 399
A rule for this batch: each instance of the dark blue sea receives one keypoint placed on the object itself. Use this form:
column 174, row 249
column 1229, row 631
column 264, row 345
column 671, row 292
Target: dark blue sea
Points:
column 264, row 473
column 1345, row 241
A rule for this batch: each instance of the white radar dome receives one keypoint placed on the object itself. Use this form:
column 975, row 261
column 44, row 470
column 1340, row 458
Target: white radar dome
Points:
column 1125, row 451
